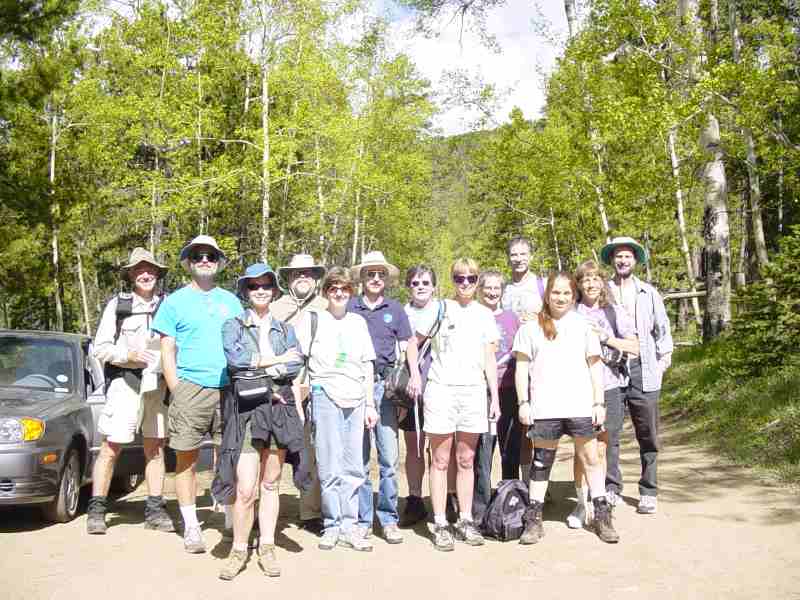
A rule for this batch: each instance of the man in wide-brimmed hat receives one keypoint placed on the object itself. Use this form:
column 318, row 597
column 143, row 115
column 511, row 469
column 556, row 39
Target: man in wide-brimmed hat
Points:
column 644, row 305
column 194, row 365
column 302, row 277
column 388, row 326
column 126, row 344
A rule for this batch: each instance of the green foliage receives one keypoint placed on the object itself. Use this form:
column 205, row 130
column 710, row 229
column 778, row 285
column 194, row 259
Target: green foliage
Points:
column 766, row 330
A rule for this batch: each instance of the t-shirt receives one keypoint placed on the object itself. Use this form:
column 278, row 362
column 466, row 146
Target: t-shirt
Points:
column 422, row 319
column 340, row 349
column 194, row 318
column 612, row 378
column 560, row 380
column 387, row 324
column 458, row 350
column 523, row 297
column 507, row 325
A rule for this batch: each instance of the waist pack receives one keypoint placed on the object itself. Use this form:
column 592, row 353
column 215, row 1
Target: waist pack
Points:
column 397, row 378
column 252, row 385
column 503, row 519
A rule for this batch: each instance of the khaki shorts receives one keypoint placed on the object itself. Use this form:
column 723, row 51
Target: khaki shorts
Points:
column 125, row 412
column 451, row 408
column 194, row 411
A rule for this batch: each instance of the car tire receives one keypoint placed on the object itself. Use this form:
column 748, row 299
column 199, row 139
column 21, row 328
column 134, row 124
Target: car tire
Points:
column 64, row 507
column 125, row 484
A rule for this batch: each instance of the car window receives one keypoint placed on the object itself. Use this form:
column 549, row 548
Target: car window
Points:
column 37, row 363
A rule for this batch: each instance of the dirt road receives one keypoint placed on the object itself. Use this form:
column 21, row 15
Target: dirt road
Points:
column 719, row 533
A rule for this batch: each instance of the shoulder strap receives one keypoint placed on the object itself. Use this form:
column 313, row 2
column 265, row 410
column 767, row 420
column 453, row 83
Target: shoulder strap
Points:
column 314, row 321
column 124, row 310
column 433, row 331
column 611, row 315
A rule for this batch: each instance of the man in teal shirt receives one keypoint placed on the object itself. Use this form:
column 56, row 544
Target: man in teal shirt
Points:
column 190, row 324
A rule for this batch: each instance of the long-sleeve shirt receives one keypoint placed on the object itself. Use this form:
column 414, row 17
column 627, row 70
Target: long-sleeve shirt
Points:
column 652, row 329
column 134, row 332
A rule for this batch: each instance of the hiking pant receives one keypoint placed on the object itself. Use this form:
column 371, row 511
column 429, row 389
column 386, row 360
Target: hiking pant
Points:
column 613, row 425
column 509, row 435
column 386, row 444
column 643, row 409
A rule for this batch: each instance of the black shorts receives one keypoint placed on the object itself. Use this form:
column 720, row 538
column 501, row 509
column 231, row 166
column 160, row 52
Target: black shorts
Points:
column 276, row 426
column 408, row 422
column 553, row 429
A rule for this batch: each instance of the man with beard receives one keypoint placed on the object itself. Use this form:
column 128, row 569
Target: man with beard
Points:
column 303, row 276
column 645, row 307
column 125, row 343
column 194, row 365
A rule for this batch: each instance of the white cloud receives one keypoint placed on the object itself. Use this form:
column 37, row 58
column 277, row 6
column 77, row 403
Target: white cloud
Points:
column 524, row 55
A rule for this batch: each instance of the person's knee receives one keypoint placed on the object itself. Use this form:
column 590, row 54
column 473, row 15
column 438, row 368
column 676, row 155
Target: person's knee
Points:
column 153, row 449
column 246, row 494
column 271, row 487
column 440, row 461
column 590, row 456
column 110, row 451
column 543, row 459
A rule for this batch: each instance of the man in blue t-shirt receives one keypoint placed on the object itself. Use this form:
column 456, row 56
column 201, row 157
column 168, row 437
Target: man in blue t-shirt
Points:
column 190, row 324
column 388, row 324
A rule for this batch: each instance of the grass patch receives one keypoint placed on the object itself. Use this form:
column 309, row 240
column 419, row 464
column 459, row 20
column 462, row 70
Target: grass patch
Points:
column 754, row 421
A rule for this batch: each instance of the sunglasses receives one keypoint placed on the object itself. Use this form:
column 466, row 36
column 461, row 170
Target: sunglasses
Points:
column 338, row 289
column 417, row 283
column 197, row 257
column 309, row 273
column 373, row 274
column 465, row 278
column 260, row 286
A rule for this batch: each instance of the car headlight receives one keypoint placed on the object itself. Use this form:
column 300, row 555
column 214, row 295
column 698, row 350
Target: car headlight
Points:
column 21, row 430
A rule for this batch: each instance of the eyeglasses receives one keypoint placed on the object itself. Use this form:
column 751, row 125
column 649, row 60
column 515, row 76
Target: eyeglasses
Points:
column 373, row 274
column 308, row 273
column 417, row 283
column 197, row 257
column 465, row 278
column 260, row 286
column 335, row 290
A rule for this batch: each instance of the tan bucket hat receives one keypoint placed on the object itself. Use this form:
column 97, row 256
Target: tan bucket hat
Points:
column 140, row 255
column 202, row 240
column 300, row 262
column 374, row 259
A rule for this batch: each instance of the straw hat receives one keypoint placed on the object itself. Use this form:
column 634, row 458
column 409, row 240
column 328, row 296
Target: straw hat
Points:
column 140, row 255
column 374, row 259
column 301, row 262
column 202, row 240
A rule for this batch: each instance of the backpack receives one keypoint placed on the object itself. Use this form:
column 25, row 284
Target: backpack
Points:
column 503, row 519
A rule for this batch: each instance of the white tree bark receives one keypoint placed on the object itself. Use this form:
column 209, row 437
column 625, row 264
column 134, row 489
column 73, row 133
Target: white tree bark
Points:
column 55, row 221
column 87, row 322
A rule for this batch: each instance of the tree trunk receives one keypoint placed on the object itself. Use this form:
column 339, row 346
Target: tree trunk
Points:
column 87, row 322
column 687, row 253
column 716, row 232
column 741, row 267
column 320, row 193
column 55, row 221
column 601, row 205
column 572, row 18
column 265, row 183
column 555, row 239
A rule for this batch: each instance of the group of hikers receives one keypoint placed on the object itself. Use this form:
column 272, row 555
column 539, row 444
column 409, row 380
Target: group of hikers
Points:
column 299, row 365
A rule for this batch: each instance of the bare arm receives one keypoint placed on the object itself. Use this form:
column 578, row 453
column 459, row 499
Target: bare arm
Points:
column 169, row 365
column 629, row 345
column 598, row 394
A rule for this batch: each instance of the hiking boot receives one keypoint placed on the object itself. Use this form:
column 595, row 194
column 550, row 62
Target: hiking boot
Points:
column 356, row 539
column 234, row 565
column 466, row 532
column 155, row 517
column 534, row 529
column 392, row 535
column 193, row 540
column 414, row 512
column 268, row 560
column 613, row 497
column 647, row 505
column 603, row 521
column 96, row 516
column 312, row 526
column 451, row 508
column 577, row 518
column 329, row 539
column 443, row 539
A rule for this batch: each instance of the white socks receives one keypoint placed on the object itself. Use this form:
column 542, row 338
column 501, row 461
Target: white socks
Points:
column 189, row 514
column 228, row 516
column 440, row 520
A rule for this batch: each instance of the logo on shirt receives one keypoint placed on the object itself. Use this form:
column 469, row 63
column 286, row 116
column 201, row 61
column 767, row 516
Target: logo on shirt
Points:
column 387, row 318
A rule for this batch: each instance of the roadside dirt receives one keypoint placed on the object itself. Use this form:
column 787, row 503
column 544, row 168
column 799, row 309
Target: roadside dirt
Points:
column 720, row 533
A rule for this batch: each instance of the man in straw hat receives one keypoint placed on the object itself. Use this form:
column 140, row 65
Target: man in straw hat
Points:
column 126, row 344
column 644, row 305
column 388, row 325
column 194, row 364
column 302, row 277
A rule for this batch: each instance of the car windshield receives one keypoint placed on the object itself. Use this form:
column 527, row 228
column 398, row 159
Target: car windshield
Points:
column 37, row 363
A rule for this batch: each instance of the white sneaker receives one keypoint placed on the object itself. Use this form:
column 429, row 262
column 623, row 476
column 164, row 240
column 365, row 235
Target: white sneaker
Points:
column 647, row 505
column 613, row 497
column 577, row 517
column 329, row 539
column 355, row 539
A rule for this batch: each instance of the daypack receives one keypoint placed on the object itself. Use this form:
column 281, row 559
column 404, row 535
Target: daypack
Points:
column 503, row 517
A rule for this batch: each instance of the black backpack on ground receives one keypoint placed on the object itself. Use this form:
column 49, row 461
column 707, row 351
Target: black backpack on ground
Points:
column 503, row 517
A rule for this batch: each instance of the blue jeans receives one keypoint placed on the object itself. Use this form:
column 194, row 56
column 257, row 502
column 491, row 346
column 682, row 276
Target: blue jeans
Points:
column 386, row 443
column 337, row 439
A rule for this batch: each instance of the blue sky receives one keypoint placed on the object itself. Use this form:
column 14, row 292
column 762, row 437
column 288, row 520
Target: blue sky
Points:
column 517, row 71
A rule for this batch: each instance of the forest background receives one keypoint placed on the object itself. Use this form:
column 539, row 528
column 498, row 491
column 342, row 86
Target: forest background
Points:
column 286, row 126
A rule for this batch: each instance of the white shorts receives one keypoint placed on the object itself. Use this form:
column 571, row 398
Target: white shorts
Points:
column 125, row 412
column 451, row 408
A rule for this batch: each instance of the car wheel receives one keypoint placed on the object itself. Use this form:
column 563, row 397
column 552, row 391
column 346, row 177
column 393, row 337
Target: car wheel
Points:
column 125, row 484
column 65, row 505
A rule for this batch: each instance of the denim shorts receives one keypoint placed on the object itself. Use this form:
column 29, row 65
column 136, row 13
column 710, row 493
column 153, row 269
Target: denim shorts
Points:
column 553, row 429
